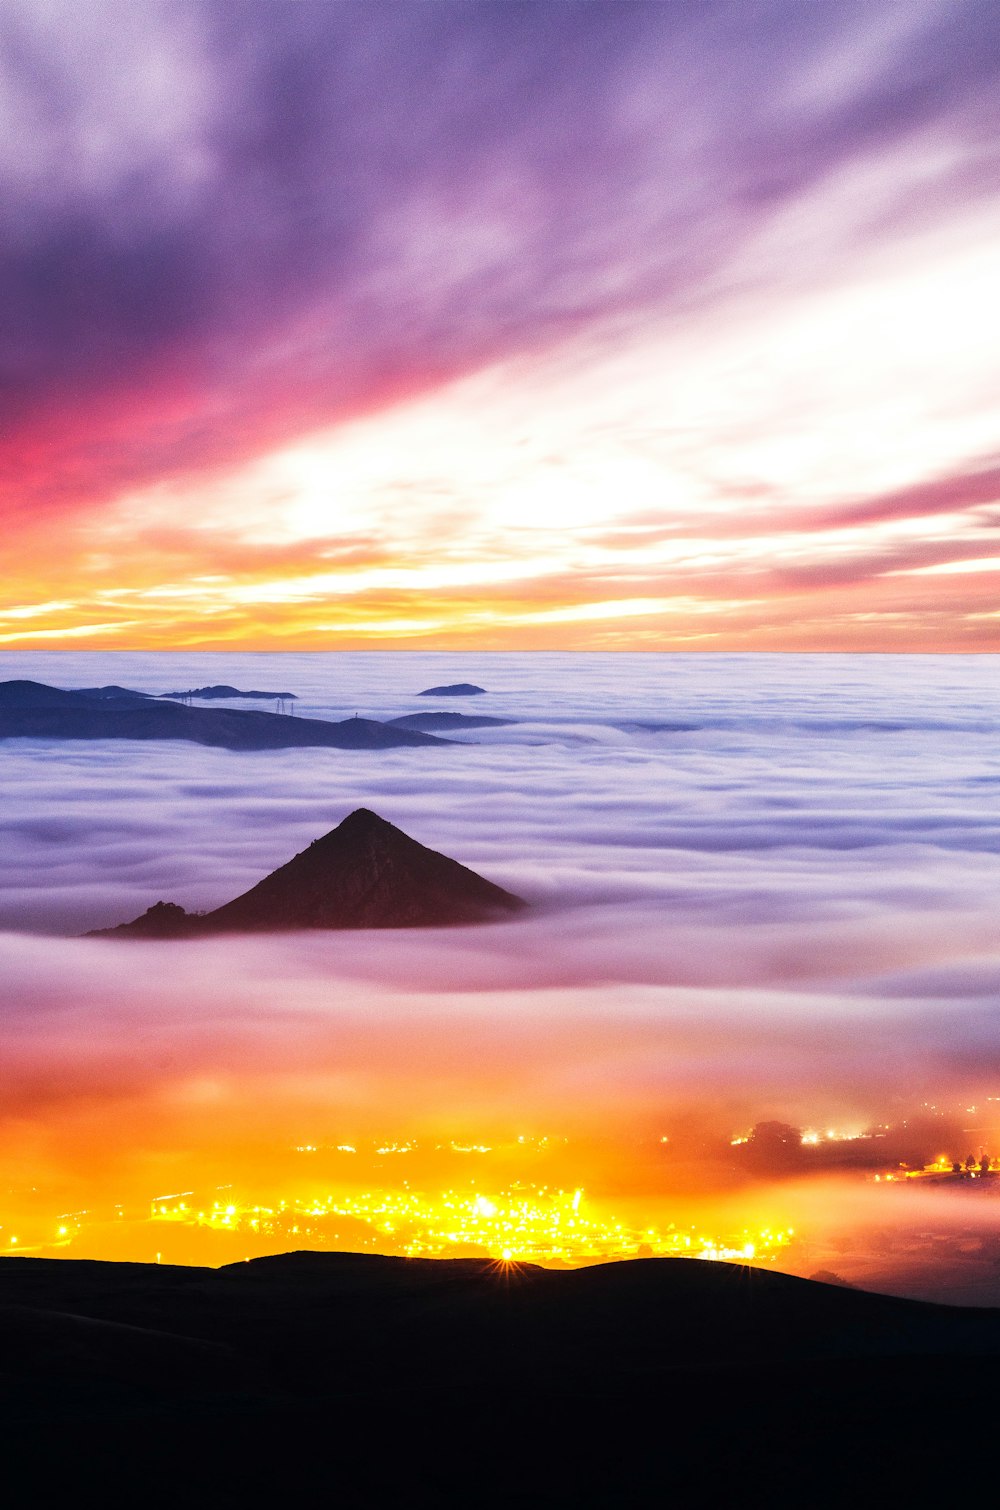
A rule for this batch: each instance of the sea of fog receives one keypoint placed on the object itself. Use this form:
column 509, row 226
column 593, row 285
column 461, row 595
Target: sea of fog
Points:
column 763, row 887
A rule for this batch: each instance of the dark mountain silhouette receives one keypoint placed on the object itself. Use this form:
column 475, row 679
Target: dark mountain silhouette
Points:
column 454, row 689
column 432, row 723
column 366, row 873
column 221, row 690
column 464, row 1382
column 31, row 710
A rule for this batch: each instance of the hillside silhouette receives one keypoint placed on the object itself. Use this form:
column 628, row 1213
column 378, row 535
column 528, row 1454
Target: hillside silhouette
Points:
column 32, row 710
column 466, row 1382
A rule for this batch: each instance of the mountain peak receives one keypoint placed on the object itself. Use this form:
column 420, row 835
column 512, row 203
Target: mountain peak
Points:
column 359, row 827
column 366, row 873
column 361, row 819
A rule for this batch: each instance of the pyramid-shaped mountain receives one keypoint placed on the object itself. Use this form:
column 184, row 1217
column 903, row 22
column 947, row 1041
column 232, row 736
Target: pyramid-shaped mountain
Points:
column 366, row 873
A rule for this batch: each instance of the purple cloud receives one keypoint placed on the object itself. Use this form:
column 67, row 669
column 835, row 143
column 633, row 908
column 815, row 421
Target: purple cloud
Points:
column 270, row 215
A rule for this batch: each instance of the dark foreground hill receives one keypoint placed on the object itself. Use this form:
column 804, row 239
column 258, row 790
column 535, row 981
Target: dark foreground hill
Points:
column 388, row 1381
column 31, row 710
column 365, row 873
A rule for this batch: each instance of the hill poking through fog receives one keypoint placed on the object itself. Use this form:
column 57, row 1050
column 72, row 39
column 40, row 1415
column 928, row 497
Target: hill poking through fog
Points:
column 365, row 873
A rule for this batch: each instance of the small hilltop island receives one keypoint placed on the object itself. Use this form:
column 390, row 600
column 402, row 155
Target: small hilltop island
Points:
column 454, row 689
column 433, row 723
column 365, row 873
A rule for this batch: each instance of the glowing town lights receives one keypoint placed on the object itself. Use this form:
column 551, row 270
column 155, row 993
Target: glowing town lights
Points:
column 811, row 1138
column 525, row 1222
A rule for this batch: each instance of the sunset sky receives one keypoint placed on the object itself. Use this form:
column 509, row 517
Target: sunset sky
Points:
column 462, row 325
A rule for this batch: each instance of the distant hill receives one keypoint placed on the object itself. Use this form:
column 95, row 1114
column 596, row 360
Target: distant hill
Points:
column 433, row 722
column 32, row 710
column 454, row 689
column 366, row 873
column 221, row 690
column 455, row 1382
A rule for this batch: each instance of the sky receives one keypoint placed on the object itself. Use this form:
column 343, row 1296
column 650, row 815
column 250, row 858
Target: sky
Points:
column 762, row 888
column 500, row 326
